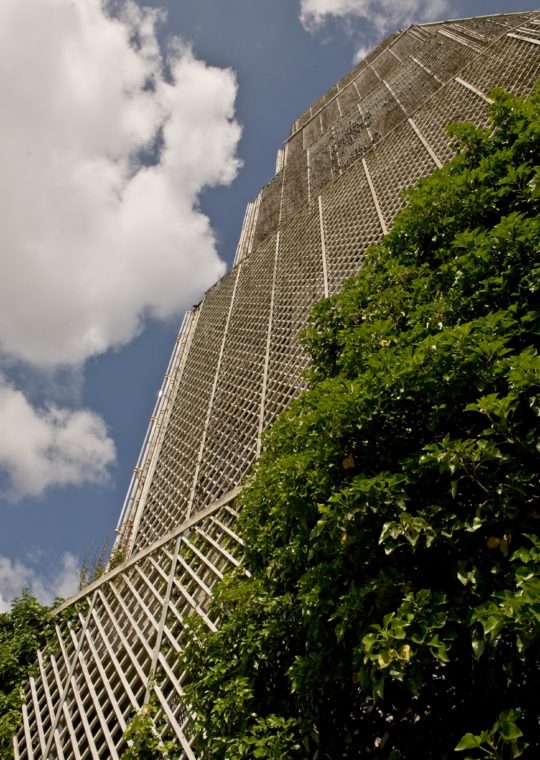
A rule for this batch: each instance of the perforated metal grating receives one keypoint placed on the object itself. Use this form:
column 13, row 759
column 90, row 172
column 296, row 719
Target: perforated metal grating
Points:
column 237, row 365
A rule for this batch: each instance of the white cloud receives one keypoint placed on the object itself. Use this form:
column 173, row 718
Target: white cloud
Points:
column 383, row 15
column 51, row 446
column 16, row 575
column 361, row 53
column 93, row 238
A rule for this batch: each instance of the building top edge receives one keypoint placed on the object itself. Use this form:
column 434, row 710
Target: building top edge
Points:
column 385, row 43
column 482, row 15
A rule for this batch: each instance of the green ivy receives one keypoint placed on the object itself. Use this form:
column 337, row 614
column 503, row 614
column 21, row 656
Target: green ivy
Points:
column 391, row 525
column 23, row 631
column 142, row 740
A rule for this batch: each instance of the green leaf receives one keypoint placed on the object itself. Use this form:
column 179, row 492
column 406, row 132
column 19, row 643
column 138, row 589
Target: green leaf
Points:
column 468, row 741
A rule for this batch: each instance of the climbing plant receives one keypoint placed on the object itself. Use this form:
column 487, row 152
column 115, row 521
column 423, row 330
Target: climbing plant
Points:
column 23, row 630
column 392, row 605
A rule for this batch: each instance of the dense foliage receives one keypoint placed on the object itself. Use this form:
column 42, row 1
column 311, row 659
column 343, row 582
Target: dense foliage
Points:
column 23, row 631
column 393, row 603
column 141, row 739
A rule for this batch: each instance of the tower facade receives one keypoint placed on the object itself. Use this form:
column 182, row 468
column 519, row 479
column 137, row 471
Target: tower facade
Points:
column 237, row 364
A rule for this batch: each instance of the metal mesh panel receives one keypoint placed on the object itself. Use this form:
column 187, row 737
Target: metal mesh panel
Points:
column 510, row 63
column 302, row 120
column 328, row 95
column 352, row 138
column 530, row 29
column 365, row 81
column 351, row 224
column 312, row 131
column 150, row 451
column 295, row 187
column 387, row 42
column 295, row 146
column 269, row 209
column 442, row 56
column 480, row 30
column 412, row 85
column 394, row 164
column 493, row 26
column 348, row 98
column 385, row 63
column 206, row 552
column 382, row 111
column 323, row 164
column 299, row 283
column 452, row 104
column 231, row 441
column 350, row 75
column 168, row 498
column 406, row 44
column 330, row 114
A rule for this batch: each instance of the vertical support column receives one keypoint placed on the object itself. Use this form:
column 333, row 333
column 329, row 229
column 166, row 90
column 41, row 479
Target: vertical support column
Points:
column 426, row 145
column 474, row 89
column 323, row 248
column 375, row 199
column 308, row 170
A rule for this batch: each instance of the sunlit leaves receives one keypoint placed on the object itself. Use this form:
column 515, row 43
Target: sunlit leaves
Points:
column 391, row 524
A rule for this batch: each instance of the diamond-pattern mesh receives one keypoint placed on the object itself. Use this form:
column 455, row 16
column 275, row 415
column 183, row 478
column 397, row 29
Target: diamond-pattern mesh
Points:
column 412, row 86
column 348, row 98
column 406, row 44
column 312, row 131
column 513, row 64
column 352, row 138
column 231, row 441
column 365, row 81
column 394, row 164
column 295, row 186
column 351, row 224
column 170, row 491
column 330, row 114
column 385, row 63
column 452, row 104
column 346, row 164
column 442, row 56
column 299, row 284
column 323, row 163
column 381, row 111
column 269, row 208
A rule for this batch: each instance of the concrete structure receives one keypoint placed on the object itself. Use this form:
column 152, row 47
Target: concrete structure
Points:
column 237, row 365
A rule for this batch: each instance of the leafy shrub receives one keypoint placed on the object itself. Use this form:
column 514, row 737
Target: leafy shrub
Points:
column 23, row 631
column 391, row 525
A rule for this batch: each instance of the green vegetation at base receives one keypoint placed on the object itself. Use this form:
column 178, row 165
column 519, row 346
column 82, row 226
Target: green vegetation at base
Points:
column 392, row 523
column 142, row 741
column 23, row 631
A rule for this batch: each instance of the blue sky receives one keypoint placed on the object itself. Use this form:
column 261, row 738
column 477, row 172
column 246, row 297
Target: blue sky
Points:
column 132, row 139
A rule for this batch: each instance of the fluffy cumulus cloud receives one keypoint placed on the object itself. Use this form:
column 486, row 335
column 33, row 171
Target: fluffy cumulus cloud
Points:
column 105, row 147
column 15, row 575
column 51, row 446
column 104, row 151
column 381, row 15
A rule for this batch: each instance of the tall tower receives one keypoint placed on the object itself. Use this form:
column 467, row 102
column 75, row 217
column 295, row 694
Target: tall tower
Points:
column 237, row 364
